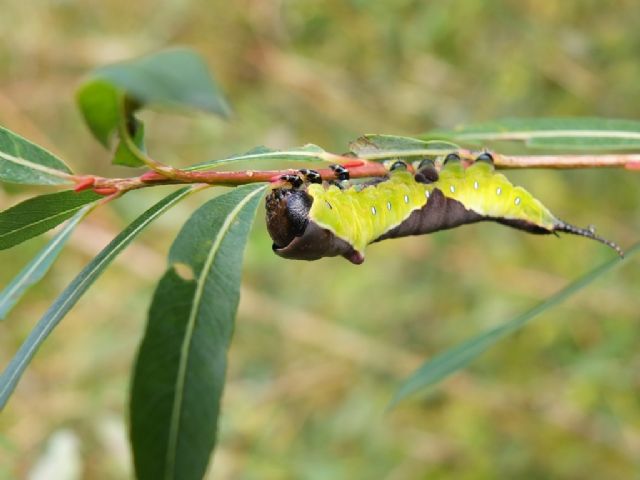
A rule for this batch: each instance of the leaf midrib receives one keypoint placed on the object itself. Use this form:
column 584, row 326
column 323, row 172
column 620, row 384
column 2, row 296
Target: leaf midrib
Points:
column 186, row 343
column 33, row 224
column 35, row 166
column 277, row 155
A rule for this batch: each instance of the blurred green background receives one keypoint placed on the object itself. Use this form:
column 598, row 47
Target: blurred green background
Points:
column 320, row 347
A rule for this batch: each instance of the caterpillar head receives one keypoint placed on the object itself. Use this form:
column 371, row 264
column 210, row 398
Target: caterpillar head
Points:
column 295, row 235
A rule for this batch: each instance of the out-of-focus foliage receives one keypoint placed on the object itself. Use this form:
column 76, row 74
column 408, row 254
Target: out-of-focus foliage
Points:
column 320, row 347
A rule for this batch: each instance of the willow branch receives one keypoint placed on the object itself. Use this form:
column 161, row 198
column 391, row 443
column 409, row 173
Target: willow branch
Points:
column 358, row 168
column 107, row 186
column 625, row 160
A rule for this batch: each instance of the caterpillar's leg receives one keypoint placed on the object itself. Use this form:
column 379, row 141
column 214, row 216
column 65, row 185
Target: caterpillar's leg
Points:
column 310, row 176
column 294, row 180
column 302, row 177
column 482, row 166
column 485, row 157
column 398, row 165
column 342, row 173
column 451, row 158
column 453, row 167
column 342, row 176
column 427, row 172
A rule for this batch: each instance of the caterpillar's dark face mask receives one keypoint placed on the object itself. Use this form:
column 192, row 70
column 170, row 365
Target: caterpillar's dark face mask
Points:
column 297, row 237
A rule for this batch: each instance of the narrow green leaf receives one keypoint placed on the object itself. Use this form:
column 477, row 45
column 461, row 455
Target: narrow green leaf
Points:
column 180, row 369
column 306, row 153
column 73, row 292
column 39, row 214
column 379, row 147
column 552, row 133
column 38, row 266
column 458, row 357
column 22, row 161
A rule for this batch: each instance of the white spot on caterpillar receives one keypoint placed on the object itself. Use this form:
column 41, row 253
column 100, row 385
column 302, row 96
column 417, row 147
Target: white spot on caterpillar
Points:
column 498, row 191
column 476, row 185
column 373, row 210
column 388, row 205
column 453, row 189
column 406, row 199
column 517, row 201
column 427, row 193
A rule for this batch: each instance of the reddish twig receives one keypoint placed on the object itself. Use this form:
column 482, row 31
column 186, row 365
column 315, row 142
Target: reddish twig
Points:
column 231, row 178
column 107, row 186
column 358, row 168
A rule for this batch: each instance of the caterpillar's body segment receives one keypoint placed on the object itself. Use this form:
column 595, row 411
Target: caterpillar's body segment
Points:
column 321, row 220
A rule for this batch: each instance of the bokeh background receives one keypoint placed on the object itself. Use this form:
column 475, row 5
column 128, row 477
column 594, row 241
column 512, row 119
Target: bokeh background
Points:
column 320, row 347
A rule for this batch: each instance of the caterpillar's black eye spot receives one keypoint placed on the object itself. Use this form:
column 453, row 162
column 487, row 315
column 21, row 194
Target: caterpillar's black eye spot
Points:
column 328, row 205
column 452, row 157
column 398, row 164
column 485, row 157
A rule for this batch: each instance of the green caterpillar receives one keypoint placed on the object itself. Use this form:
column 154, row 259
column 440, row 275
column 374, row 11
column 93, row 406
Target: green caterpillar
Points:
column 309, row 219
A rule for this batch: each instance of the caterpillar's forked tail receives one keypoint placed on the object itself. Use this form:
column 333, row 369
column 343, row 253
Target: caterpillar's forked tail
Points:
column 589, row 233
